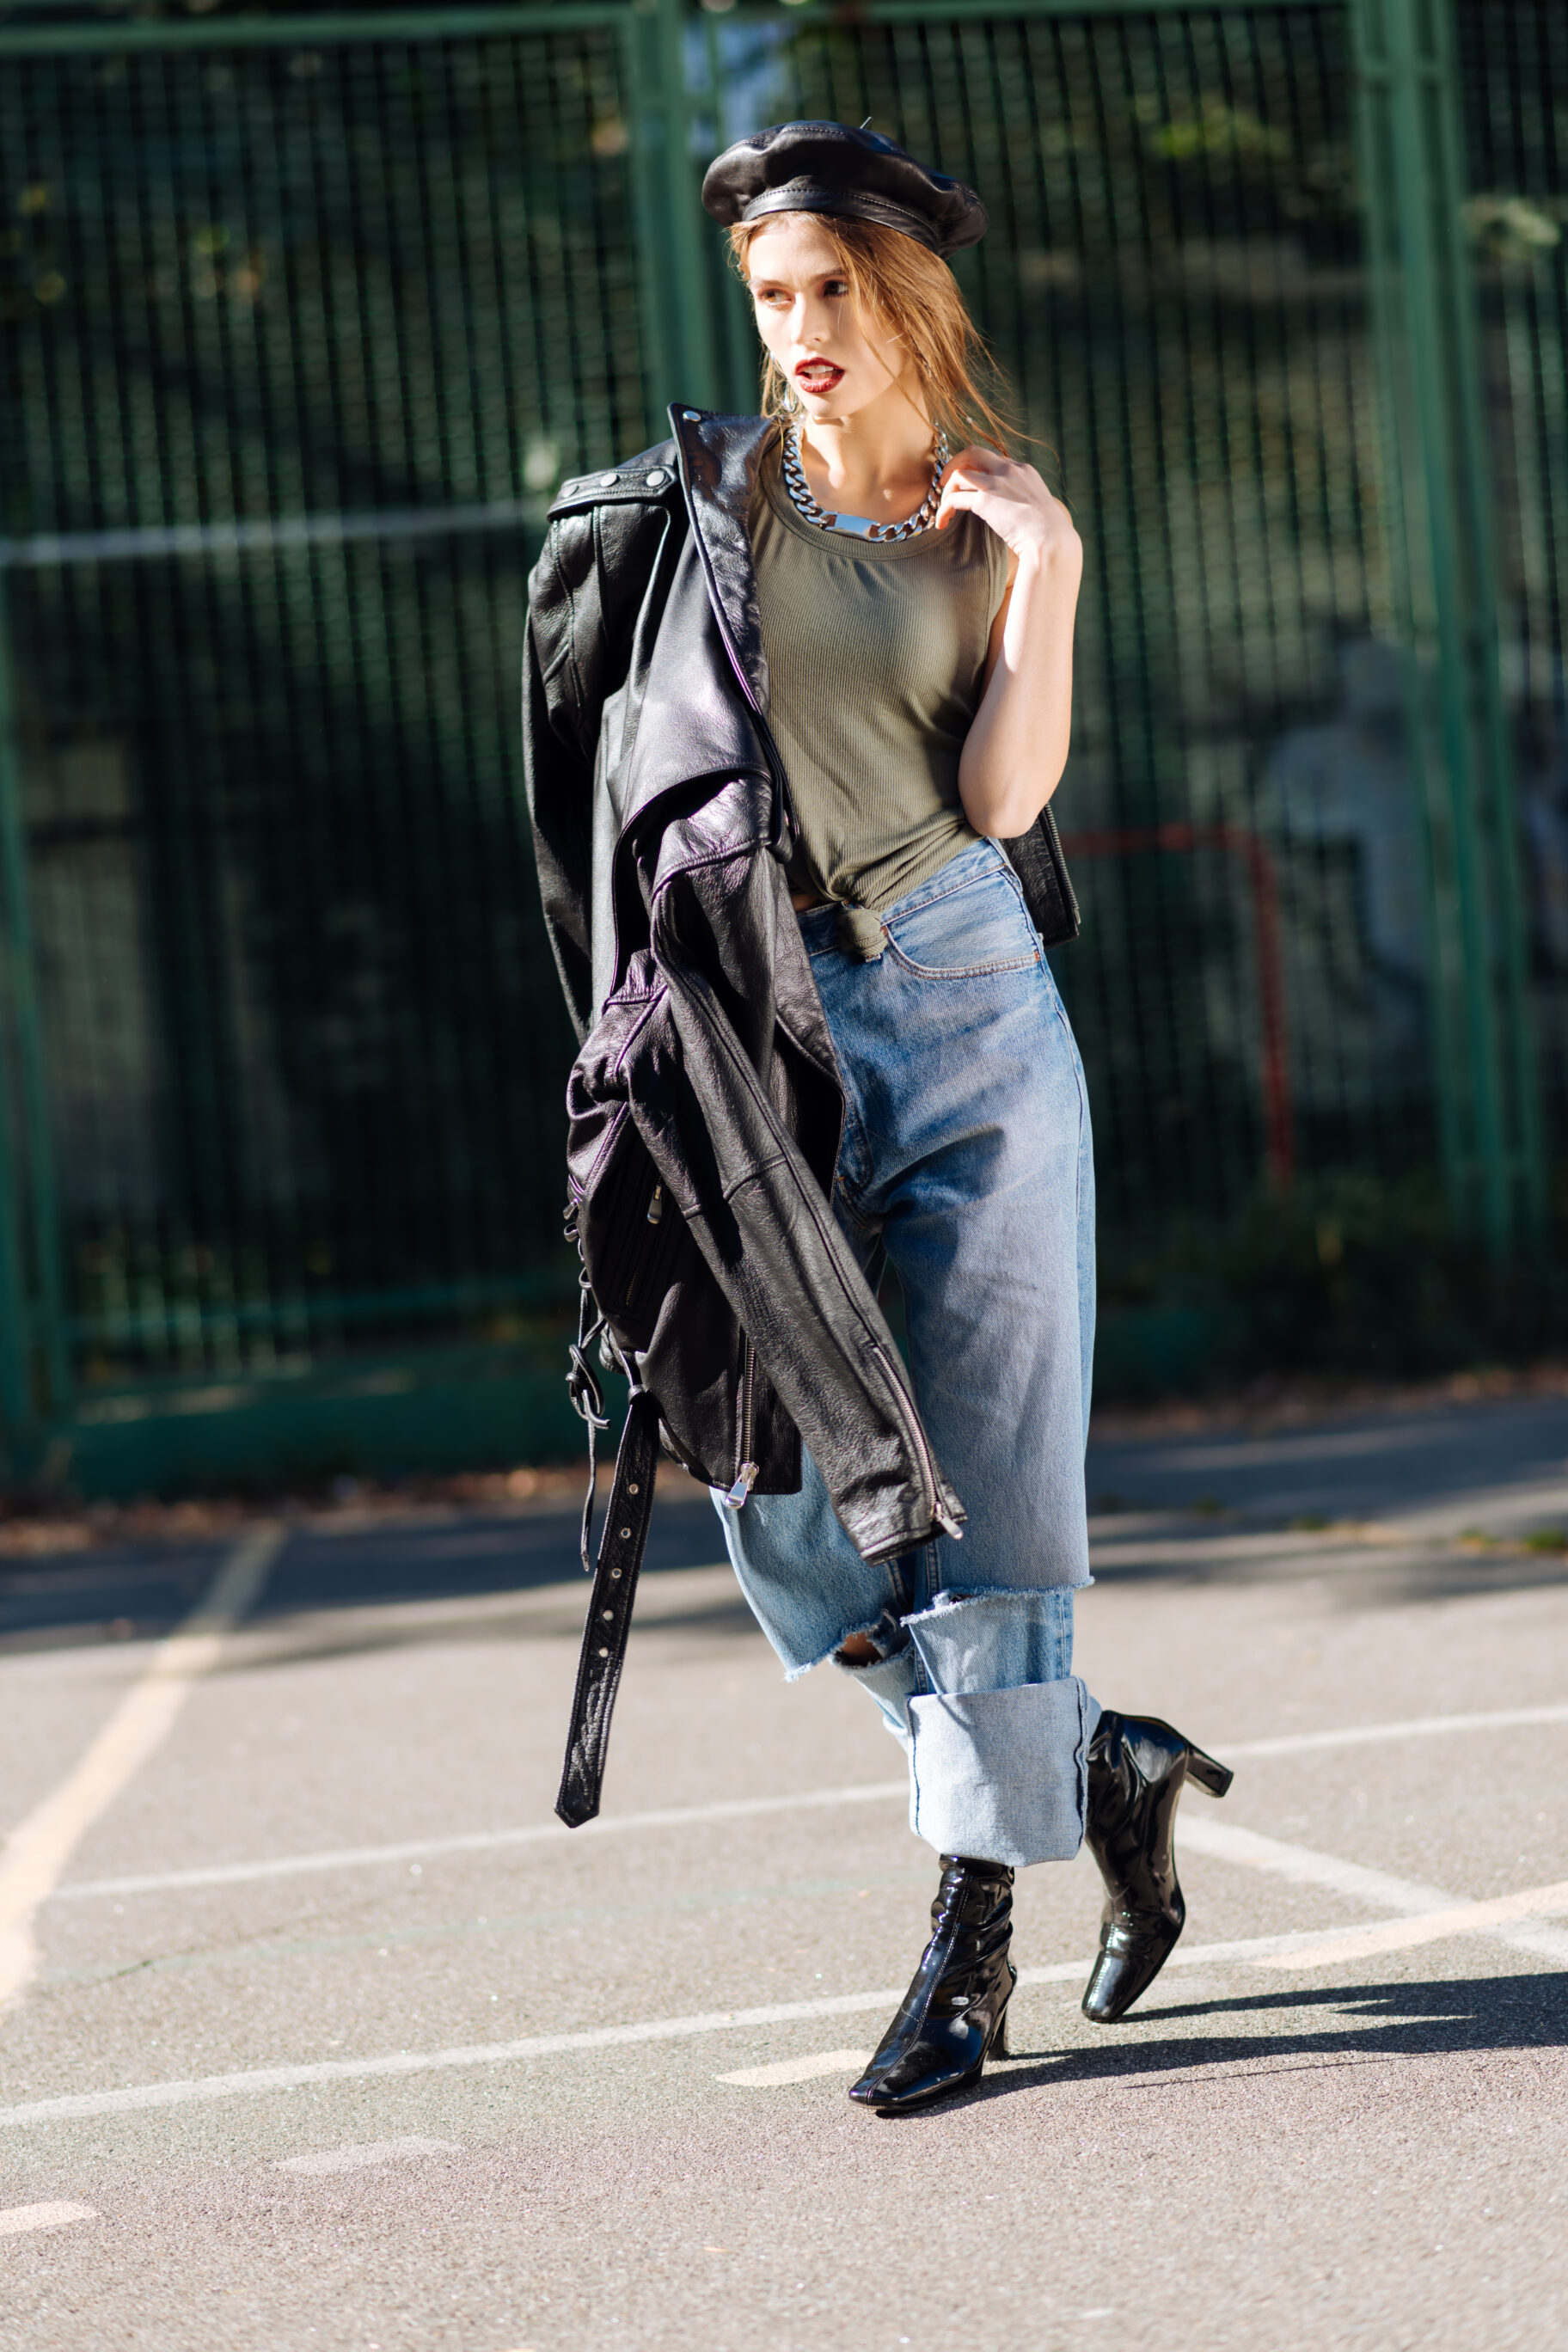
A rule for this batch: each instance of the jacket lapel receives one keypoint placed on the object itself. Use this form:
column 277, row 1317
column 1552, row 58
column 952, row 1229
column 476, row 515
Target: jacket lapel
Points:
column 720, row 458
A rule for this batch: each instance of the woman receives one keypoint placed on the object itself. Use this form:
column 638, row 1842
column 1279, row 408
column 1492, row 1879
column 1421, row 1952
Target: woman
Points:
column 913, row 589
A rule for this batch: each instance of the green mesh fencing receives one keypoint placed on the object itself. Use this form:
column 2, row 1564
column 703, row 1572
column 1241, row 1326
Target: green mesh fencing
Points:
column 302, row 328
column 1515, row 72
column 1172, row 286
column 302, row 341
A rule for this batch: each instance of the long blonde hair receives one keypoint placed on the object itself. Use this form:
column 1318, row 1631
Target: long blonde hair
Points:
column 913, row 297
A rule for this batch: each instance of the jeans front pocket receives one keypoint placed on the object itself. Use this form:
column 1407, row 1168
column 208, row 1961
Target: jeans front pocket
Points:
column 977, row 926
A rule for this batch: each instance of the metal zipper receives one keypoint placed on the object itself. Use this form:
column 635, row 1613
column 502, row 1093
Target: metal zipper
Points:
column 746, row 1476
column 748, row 1470
column 742, row 1487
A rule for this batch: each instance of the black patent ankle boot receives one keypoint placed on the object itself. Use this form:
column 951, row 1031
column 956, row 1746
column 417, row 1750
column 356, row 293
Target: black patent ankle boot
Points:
column 1137, row 1769
column 955, row 2014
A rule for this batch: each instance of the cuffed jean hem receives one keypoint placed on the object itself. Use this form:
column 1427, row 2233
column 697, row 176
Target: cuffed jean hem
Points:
column 969, row 1640
column 1002, row 1775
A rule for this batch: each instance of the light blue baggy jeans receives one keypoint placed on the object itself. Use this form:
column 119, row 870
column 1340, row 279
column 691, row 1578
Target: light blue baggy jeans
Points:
column 966, row 1156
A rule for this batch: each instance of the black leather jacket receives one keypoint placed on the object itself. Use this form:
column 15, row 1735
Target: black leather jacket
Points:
column 704, row 1104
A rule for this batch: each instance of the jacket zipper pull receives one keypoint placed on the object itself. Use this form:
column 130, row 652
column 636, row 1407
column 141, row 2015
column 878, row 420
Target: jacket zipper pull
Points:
column 656, row 1205
column 742, row 1487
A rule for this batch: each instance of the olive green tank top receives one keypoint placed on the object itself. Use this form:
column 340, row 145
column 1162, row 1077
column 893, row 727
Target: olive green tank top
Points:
column 876, row 660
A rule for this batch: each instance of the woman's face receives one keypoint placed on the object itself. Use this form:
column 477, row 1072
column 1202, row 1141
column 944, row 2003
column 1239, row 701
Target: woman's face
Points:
column 833, row 360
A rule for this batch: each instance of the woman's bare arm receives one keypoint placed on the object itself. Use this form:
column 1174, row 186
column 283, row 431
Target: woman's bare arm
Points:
column 1017, row 746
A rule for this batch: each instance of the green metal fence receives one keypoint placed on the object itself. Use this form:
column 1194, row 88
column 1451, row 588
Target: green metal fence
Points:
column 1173, row 287
column 1514, row 67
column 309, row 311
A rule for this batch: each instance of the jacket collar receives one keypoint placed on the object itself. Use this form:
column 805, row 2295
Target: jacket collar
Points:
column 720, row 458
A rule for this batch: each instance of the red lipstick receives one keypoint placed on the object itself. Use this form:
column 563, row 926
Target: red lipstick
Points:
column 817, row 375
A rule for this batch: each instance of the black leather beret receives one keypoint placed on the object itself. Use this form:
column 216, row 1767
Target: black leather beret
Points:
column 827, row 167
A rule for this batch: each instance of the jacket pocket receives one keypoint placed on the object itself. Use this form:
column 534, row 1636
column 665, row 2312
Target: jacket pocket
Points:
column 629, row 1229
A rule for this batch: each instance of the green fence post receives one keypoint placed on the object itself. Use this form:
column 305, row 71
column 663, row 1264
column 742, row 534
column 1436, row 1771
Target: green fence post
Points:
column 31, row 1306
column 673, row 266
column 15, row 1388
column 1439, row 516
column 740, row 358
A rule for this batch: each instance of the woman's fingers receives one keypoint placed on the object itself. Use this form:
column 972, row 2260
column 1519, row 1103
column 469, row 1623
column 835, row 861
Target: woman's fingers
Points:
column 958, row 498
column 970, row 485
column 1009, row 497
column 977, row 454
column 969, row 465
column 984, row 470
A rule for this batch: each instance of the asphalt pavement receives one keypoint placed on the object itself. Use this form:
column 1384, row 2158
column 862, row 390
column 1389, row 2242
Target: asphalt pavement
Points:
column 324, row 2034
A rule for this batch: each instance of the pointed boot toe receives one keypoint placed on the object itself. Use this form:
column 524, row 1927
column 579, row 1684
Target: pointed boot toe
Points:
column 1126, row 1966
column 955, row 2014
column 1137, row 1769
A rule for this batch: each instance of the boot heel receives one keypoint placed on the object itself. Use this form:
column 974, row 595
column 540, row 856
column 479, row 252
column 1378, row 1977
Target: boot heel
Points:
column 998, row 2048
column 1213, row 1777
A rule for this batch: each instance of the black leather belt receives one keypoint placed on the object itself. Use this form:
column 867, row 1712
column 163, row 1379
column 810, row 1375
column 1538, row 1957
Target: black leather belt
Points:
column 621, row 1548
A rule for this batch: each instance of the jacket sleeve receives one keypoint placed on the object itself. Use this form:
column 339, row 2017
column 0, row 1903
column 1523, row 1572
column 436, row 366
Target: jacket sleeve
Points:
column 767, row 1231
column 589, row 609
column 558, row 733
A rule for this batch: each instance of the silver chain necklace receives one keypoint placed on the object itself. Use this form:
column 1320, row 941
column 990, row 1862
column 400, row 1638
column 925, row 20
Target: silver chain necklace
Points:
column 856, row 525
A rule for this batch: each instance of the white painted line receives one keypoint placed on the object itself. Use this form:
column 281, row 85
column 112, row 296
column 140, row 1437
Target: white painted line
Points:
column 1548, row 1943
column 37, row 1851
column 289, row 1865
column 231, row 1874
column 1200, row 1833
column 16, row 2219
column 1302, row 1948
column 799, row 2070
column 1296, row 1940
column 413, row 2062
column 1424, row 1727
column 1462, row 1919
column 367, row 2154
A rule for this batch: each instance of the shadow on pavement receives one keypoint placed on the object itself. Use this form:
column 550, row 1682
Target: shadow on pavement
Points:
column 1354, row 1468
column 1409, row 2020
column 142, row 1594
column 295, row 1640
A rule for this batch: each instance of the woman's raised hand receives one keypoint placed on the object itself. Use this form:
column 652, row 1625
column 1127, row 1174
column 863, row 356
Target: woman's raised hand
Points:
column 1012, row 499
column 1016, row 748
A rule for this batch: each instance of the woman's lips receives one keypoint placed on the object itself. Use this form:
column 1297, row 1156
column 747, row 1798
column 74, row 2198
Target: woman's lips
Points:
column 817, row 375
